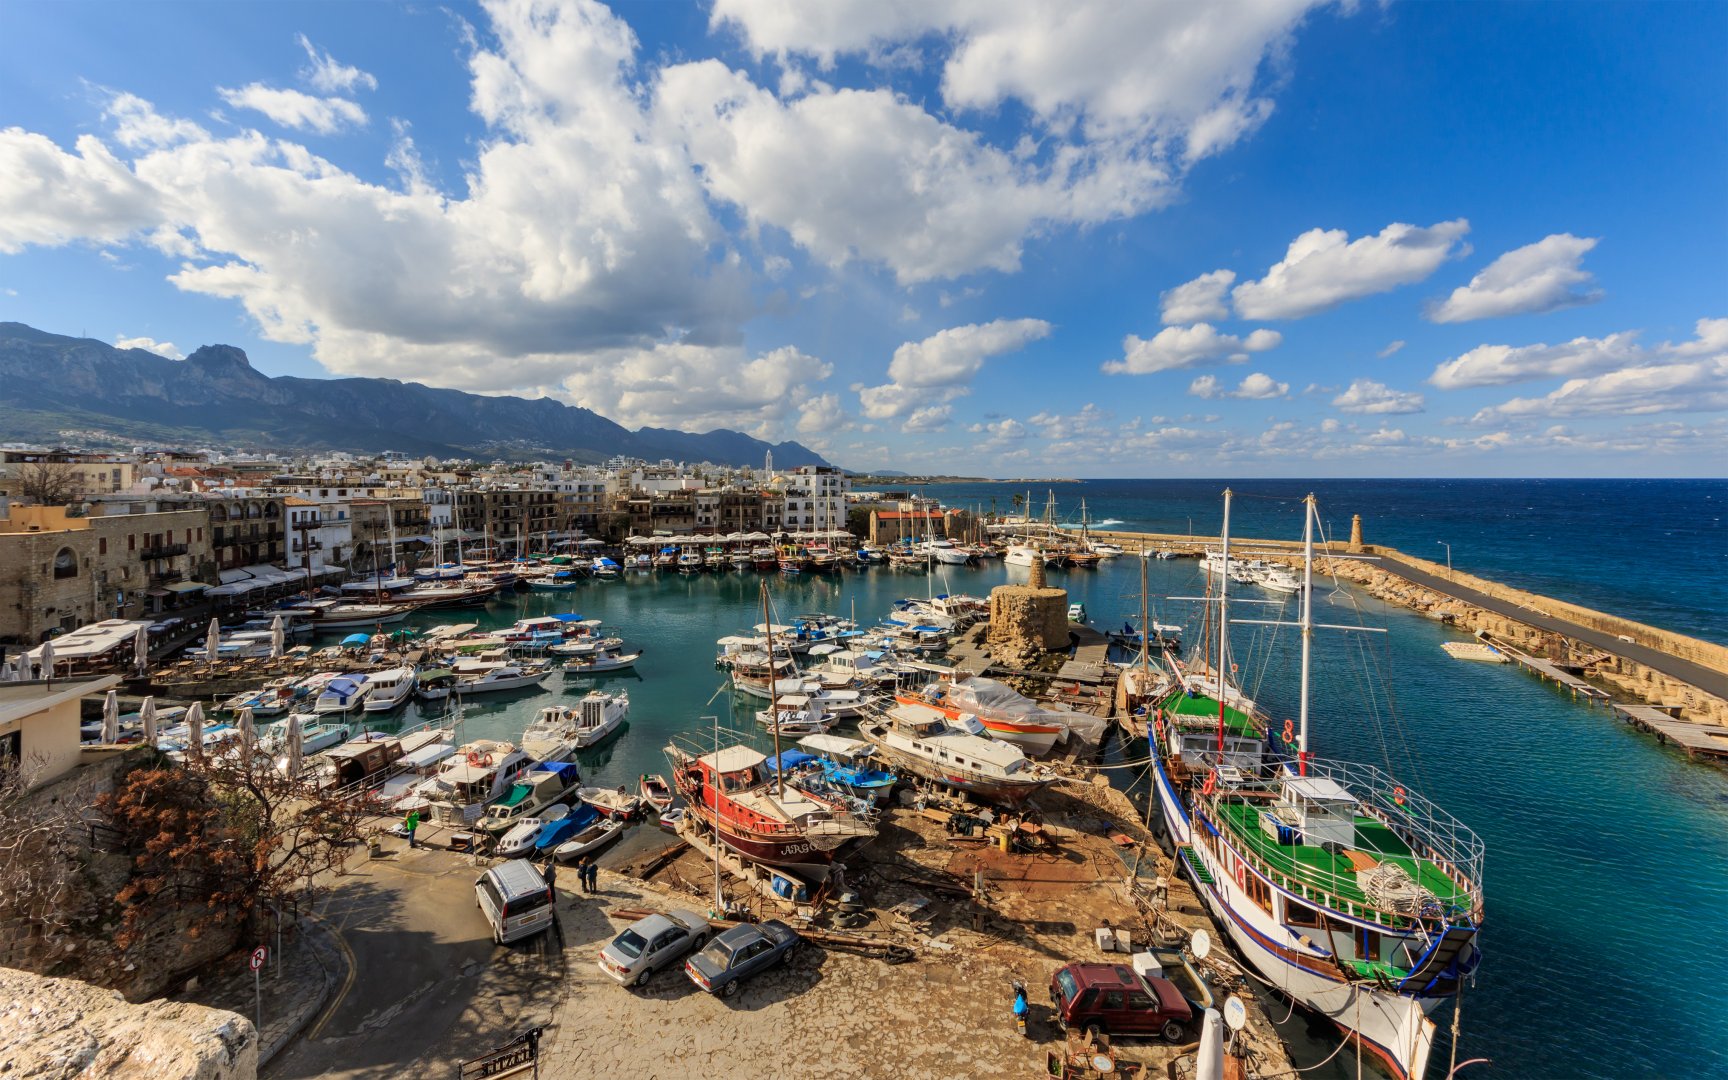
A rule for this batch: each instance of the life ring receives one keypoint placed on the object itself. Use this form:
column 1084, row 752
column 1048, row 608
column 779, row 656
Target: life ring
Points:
column 1398, row 795
column 1211, row 783
column 1289, row 731
column 476, row 757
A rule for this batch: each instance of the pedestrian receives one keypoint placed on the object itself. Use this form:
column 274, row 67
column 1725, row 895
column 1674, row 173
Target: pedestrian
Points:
column 593, row 876
column 409, row 824
column 582, row 873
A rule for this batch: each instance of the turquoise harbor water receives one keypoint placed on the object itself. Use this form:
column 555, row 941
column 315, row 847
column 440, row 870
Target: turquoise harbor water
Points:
column 1607, row 867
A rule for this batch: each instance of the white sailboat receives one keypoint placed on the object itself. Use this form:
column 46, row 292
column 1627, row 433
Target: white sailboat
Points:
column 1344, row 888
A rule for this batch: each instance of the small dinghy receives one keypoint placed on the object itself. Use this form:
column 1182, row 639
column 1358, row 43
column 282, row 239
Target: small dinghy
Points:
column 671, row 819
column 656, row 791
column 521, row 837
column 589, row 840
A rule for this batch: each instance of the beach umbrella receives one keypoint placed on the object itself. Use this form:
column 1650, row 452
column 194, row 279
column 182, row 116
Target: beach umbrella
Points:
column 147, row 717
column 47, row 661
column 248, row 735
column 141, row 649
column 212, row 639
column 111, row 717
column 293, row 738
column 278, row 637
column 195, row 728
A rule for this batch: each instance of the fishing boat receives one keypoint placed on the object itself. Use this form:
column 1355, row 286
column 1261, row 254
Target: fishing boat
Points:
column 794, row 717
column 656, row 791
column 920, row 739
column 588, row 840
column 731, row 793
column 689, row 562
column 390, row 689
column 1003, row 713
column 559, row 581
column 848, row 763
column 612, row 802
column 1338, row 882
column 601, row 662
column 473, row 777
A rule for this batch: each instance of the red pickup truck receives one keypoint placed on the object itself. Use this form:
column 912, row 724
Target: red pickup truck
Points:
column 1112, row 999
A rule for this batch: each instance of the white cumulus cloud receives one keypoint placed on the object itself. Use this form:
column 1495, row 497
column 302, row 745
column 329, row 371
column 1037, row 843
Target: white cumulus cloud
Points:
column 293, row 109
column 160, row 348
column 1497, row 365
column 1324, row 268
column 1531, row 280
column 1696, row 386
column 1255, row 387
column 938, row 368
column 1199, row 300
column 1377, row 399
column 1177, row 347
column 326, row 75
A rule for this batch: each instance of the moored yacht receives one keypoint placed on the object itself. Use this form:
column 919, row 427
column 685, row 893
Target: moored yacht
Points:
column 920, row 739
column 390, row 689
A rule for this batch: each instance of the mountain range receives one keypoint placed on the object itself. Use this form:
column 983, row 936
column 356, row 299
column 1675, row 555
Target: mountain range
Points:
column 63, row 389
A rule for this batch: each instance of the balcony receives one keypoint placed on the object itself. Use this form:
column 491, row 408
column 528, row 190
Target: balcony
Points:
column 162, row 551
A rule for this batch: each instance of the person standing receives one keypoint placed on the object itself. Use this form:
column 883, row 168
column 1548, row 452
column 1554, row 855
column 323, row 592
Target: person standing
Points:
column 409, row 824
column 593, row 876
column 582, row 873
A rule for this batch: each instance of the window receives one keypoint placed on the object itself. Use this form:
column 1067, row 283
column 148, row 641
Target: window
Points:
column 131, row 542
column 1299, row 914
column 1367, row 944
column 102, row 545
column 65, row 563
column 1138, row 1001
column 1113, row 999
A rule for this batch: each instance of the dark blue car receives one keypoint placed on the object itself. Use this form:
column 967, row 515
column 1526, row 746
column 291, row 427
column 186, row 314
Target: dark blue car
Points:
column 739, row 953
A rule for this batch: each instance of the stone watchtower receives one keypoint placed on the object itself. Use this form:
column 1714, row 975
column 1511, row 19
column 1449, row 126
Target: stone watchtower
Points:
column 1027, row 620
column 1356, row 534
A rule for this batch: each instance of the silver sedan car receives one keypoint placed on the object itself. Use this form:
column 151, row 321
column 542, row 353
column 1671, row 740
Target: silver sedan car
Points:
column 652, row 943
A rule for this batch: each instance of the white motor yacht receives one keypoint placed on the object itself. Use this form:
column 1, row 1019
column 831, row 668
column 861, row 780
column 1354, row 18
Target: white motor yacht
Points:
column 391, row 688
column 344, row 693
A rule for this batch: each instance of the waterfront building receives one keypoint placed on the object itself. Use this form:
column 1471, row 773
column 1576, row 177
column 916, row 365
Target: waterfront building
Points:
column 815, row 497
column 60, row 570
column 39, row 724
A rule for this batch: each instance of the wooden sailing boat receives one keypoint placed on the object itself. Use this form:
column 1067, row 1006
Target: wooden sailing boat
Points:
column 1343, row 887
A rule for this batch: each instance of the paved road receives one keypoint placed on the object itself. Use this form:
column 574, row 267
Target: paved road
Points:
column 1706, row 679
column 429, row 988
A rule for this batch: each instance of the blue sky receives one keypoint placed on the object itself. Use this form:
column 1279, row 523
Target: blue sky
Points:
column 1116, row 239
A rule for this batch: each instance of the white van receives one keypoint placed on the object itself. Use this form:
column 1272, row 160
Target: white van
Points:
column 515, row 899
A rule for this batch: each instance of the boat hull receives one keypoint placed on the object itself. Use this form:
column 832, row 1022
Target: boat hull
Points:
column 1392, row 1027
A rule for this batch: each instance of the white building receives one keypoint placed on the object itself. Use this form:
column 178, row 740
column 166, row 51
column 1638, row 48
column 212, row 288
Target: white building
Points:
column 320, row 533
column 815, row 498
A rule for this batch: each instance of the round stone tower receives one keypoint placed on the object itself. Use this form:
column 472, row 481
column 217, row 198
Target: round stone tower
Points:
column 1027, row 620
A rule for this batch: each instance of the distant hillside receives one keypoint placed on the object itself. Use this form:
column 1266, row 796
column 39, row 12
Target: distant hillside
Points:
column 55, row 384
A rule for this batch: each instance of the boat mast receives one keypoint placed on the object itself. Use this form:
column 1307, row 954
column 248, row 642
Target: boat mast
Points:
column 1223, row 621
column 1145, row 623
column 719, row 896
column 1308, row 513
column 773, row 699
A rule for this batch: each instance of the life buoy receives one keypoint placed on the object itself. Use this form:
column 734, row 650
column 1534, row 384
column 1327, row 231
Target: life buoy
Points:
column 1211, row 783
column 1398, row 795
column 476, row 757
column 1289, row 731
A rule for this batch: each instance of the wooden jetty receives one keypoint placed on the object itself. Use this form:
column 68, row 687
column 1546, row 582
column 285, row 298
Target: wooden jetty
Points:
column 1698, row 740
column 1554, row 673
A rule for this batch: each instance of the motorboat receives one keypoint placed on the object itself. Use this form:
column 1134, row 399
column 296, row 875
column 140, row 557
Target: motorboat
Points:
column 955, row 753
column 612, row 802
column 469, row 677
column 345, row 693
column 849, row 764
column 519, row 839
column 1005, row 714
column 793, row 715
column 391, row 688
column 671, row 819
column 599, row 716
column 605, row 568
column 533, row 791
column 555, row 833
column 476, row 775
column 594, row 665
column 590, row 645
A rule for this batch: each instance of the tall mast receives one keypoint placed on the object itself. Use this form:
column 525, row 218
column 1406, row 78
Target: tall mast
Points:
column 1145, row 623
column 773, row 699
column 1308, row 513
column 1223, row 622
column 719, row 896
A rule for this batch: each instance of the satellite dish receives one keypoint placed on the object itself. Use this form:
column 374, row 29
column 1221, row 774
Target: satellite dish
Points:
column 1235, row 1013
column 1201, row 943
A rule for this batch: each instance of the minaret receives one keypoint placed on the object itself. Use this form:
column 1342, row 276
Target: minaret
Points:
column 768, row 465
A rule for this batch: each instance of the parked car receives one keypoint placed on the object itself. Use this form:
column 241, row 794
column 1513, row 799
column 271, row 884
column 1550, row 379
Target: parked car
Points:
column 739, row 953
column 1112, row 999
column 649, row 944
column 515, row 899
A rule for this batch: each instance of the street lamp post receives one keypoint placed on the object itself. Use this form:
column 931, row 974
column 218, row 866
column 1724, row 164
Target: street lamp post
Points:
column 1448, row 548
